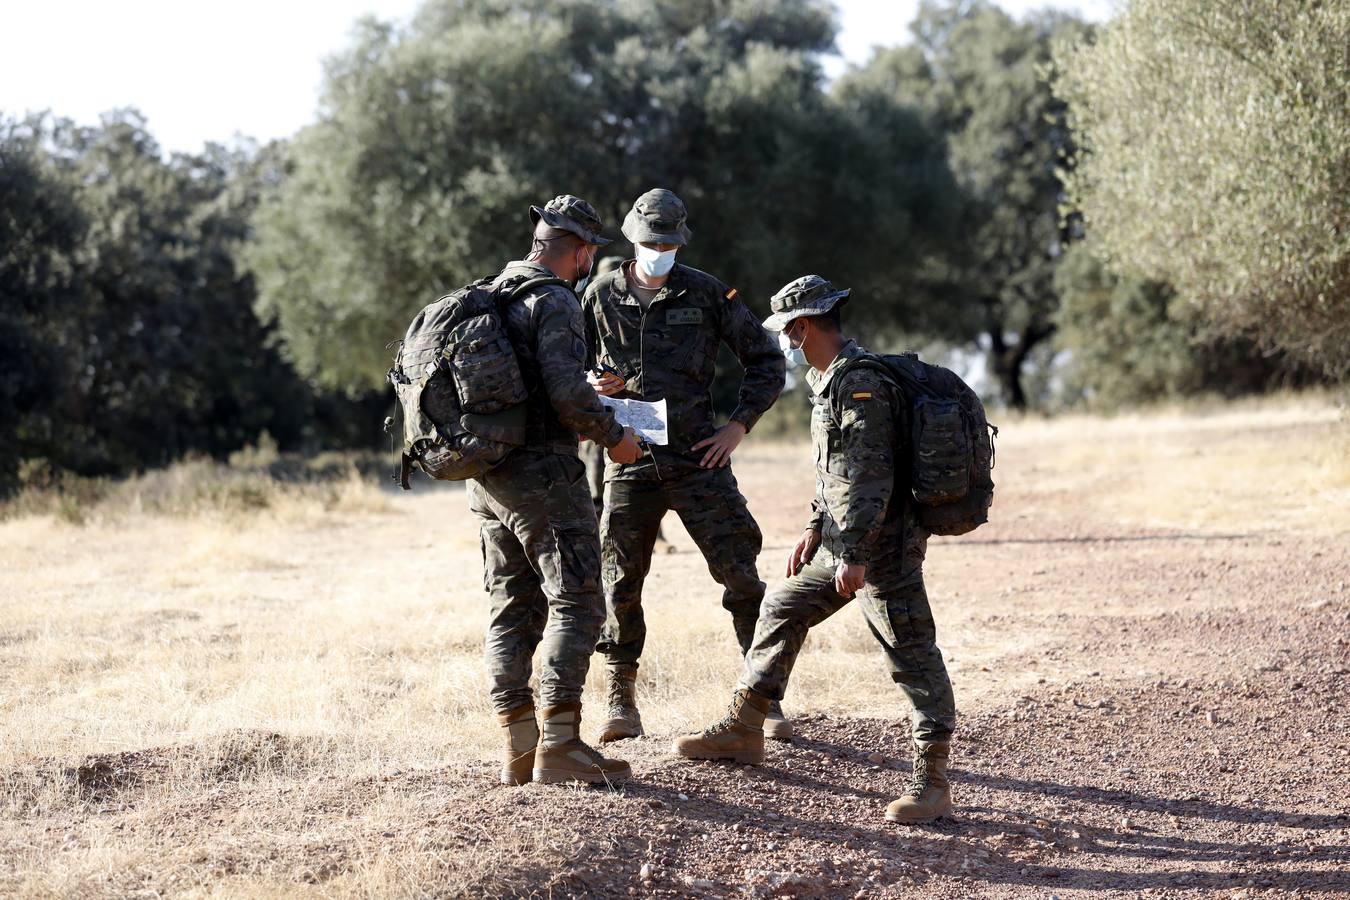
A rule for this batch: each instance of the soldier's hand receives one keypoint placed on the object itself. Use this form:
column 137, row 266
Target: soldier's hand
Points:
column 606, row 384
column 626, row 451
column 848, row 578
column 720, row 446
column 802, row 553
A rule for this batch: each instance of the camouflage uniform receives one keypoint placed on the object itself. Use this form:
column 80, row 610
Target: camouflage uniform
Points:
column 539, row 534
column 669, row 351
column 863, row 516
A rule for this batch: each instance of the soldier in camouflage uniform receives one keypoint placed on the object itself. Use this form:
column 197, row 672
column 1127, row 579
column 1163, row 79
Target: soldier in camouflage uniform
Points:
column 593, row 454
column 654, row 329
column 862, row 539
column 540, row 539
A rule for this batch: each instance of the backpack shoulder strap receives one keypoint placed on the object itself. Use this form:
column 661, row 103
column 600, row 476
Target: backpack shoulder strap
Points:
column 876, row 364
column 521, row 288
column 861, row 361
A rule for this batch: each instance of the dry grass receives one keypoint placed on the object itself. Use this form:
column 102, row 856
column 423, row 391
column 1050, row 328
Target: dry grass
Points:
column 336, row 630
column 1276, row 463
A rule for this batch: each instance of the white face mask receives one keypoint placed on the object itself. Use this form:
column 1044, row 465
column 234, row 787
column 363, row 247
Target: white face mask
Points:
column 655, row 263
column 795, row 355
column 582, row 280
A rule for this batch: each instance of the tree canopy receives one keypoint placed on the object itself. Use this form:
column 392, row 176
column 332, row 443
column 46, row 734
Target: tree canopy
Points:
column 435, row 139
column 981, row 79
column 128, row 330
column 1215, row 155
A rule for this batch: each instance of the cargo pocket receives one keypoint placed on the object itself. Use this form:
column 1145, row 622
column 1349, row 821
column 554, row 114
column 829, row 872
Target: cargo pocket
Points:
column 578, row 558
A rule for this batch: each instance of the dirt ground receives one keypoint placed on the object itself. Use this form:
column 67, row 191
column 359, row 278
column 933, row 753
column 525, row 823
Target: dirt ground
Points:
column 1149, row 643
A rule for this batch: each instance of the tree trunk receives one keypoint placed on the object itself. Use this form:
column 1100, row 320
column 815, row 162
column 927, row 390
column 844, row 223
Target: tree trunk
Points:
column 1007, row 359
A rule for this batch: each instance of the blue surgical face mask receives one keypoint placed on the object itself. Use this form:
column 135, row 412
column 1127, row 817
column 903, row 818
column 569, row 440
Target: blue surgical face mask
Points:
column 655, row 263
column 795, row 355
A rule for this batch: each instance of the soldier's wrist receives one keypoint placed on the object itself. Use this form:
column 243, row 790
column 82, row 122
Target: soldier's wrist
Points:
column 615, row 437
column 746, row 419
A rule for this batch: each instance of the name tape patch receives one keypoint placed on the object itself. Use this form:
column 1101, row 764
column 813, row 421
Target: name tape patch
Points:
column 684, row 317
column 862, row 395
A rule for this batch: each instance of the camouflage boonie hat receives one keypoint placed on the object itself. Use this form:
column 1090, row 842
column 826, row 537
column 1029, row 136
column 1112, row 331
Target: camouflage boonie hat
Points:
column 809, row 295
column 571, row 214
column 657, row 217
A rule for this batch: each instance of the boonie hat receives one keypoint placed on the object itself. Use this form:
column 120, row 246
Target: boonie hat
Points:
column 809, row 295
column 571, row 214
column 657, row 217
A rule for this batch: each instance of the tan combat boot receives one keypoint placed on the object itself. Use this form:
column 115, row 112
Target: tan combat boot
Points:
column 928, row 796
column 522, row 734
column 624, row 719
column 562, row 756
column 776, row 726
column 737, row 736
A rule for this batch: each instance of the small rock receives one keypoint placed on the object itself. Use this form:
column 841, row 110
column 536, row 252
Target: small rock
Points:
column 1211, row 718
column 683, row 797
column 1126, row 823
column 645, row 872
column 875, row 759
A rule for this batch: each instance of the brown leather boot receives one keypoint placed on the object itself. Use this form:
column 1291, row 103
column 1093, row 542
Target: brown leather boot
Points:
column 737, row 736
column 562, row 756
column 776, row 726
column 624, row 719
column 522, row 734
column 929, row 797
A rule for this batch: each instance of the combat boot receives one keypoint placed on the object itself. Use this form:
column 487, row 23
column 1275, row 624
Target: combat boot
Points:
column 737, row 736
column 929, row 797
column 624, row 719
column 562, row 756
column 776, row 726
column 522, row 734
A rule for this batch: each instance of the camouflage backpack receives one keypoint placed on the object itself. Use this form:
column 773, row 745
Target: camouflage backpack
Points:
column 951, row 443
column 460, row 391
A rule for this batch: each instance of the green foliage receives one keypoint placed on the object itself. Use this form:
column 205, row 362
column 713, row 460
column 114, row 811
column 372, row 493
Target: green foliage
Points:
column 1132, row 342
column 435, row 139
column 1216, row 155
column 981, row 79
column 128, row 330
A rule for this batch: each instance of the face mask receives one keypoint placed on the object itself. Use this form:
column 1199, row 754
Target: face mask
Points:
column 795, row 355
column 655, row 263
column 584, row 279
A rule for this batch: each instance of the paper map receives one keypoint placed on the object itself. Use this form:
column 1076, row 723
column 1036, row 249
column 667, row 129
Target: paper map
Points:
column 647, row 419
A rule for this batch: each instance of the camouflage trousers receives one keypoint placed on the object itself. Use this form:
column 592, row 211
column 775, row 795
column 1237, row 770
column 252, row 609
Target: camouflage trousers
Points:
column 713, row 511
column 541, row 567
column 593, row 457
column 895, row 605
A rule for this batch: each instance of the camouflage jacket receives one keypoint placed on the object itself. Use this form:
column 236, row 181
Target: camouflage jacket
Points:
column 670, row 352
column 544, row 326
column 856, row 427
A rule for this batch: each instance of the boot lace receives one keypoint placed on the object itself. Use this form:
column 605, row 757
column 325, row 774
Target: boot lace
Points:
column 726, row 722
column 918, row 781
column 618, row 698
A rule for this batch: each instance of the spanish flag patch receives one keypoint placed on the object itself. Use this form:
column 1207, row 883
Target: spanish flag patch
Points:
column 732, row 294
column 862, row 395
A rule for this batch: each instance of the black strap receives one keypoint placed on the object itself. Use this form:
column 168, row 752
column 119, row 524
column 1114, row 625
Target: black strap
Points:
column 530, row 284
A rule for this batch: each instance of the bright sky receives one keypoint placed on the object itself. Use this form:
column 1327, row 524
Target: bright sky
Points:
column 210, row 71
